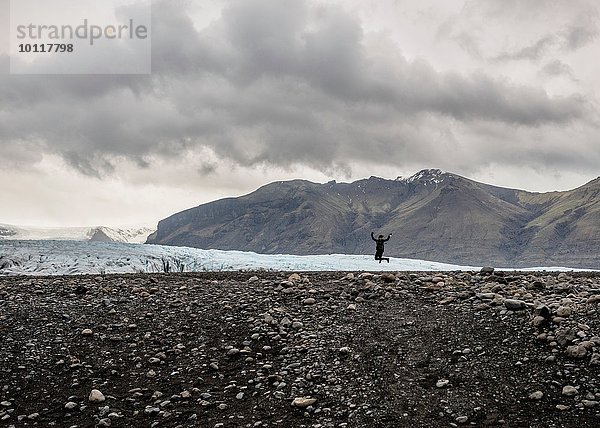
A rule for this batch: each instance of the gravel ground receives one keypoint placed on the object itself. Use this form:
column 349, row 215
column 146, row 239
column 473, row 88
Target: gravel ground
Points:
column 314, row 350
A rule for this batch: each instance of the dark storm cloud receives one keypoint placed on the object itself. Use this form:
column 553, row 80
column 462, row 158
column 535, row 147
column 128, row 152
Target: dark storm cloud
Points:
column 277, row 82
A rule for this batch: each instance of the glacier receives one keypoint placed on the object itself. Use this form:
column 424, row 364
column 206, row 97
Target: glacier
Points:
column 136, row 235
column 77, row 258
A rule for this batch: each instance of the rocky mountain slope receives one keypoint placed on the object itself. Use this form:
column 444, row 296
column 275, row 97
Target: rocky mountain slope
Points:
column 434, row 216
column 324, row 350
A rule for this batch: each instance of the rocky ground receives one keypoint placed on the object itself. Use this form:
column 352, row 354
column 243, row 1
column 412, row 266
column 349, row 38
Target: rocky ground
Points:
column 302, row 350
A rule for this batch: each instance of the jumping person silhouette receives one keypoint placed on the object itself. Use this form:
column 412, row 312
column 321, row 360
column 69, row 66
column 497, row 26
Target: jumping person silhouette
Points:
column 380, row 247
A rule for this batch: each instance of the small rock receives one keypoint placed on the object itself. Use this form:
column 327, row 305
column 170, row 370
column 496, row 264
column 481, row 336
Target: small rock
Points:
column 87, row 332
column 149, row 410
column 303, row 402
column 487, row 270
column 309, row 301
column 96, row 396
column 569, row 391
column 542, row 311
column 593, row 299
column 576, row 351
column 514, row 305
column 537, row 395
column 388, row 277
column 70, row 405
column 233, row 351
column 442, row 383
column 564, row 311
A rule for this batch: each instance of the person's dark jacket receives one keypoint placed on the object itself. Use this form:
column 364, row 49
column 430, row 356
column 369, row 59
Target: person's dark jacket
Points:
column 380, row 246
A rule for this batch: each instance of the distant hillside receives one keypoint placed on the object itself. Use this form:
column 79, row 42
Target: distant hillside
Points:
column 434, row 216
column 95, row 234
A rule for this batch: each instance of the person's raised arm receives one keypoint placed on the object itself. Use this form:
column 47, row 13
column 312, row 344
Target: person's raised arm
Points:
column 388, row 238
column 373, row 237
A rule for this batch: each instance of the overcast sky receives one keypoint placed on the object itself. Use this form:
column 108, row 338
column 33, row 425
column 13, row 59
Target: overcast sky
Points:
column 245, row 92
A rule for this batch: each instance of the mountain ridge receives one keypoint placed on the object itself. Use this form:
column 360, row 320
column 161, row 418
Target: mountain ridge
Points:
column 435, row 215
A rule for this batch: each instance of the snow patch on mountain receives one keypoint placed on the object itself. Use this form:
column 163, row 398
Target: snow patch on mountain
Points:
column 428, row 176
column 99, row 233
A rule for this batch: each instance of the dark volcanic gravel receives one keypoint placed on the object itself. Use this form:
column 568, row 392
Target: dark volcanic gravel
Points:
column 310, row 350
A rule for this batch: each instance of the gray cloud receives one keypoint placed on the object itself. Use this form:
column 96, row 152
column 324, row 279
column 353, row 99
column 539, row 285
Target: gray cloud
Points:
column 556, row 68
column 531, row 52
column 581, row 33
column 573, row 37
column 274, row 82
column 550, row 26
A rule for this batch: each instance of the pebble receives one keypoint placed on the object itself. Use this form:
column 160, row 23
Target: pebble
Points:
column 87, row 332
column 569, row 391
column 70, row 405
column 309, row 301
column 564, row 311
column 576, row 351
column 96, row 396
column 537, row 395
column 303, row 402
column 233, row 351
column 442, row 383
column 514, row 305
column 388, row 277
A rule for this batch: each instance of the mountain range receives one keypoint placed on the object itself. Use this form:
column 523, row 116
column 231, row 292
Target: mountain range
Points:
column 92, row 234
column 434, row 215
